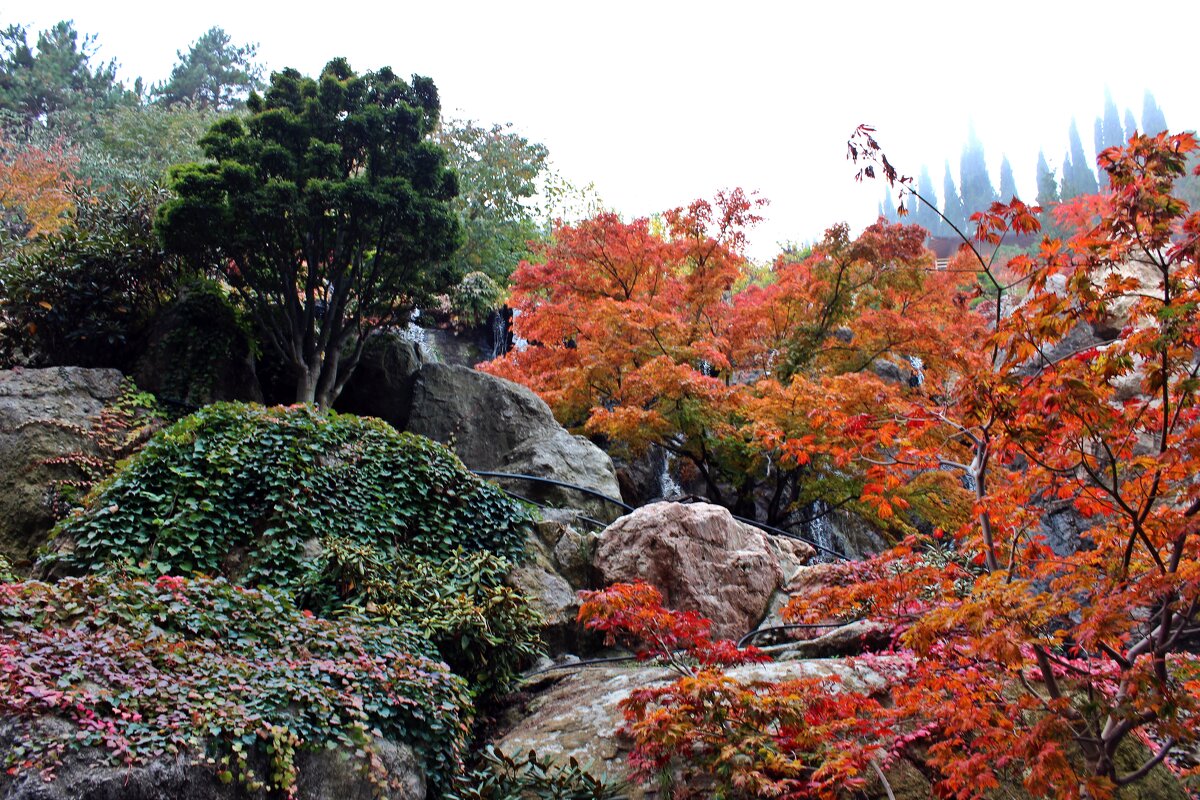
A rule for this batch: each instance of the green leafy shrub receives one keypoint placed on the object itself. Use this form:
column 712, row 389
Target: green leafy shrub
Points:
column 85, row 294
column 484, row 630
column 501, row 777
column 475, row 296
column 148, row 670
column 247, row 492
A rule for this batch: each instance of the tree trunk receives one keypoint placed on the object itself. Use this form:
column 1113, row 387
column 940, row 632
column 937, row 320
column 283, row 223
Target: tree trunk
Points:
column 306, row 386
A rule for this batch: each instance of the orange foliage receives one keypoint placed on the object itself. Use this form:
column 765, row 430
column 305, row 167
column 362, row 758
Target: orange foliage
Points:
column 37, row 183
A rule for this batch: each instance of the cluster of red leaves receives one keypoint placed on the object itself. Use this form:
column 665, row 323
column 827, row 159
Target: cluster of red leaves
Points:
column 1035, row 665
column 714, row 734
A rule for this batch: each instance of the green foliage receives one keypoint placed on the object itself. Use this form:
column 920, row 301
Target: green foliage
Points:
column 976, row 186
column 484, row 630
column 328, row 210
column 498, row 173
column 197, row 337
column 55, row 74
column 241, row 490
column 501, row 777
column 135, row 144
column 475, row 297
column 84, row 294
column 148, row 670
column 6, row 573
column 213, row 73
column 122, row 428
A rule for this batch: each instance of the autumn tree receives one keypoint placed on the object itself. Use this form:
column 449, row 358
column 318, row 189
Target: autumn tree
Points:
column 1037, row 664
column 36, row 187
column 328, row 211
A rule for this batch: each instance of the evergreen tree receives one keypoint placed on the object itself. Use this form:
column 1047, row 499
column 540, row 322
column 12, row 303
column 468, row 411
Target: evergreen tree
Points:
column 1047, row 184
column 952, row 210
column 1082, row 179
column 887, row 209
column 1098, row 141
column 976, row 187
column 1153, row 121
column 59, row 75
column 213, row 73
column 1008, row 184
column 926, row 214
column 1068, row 189
column 1131, row 127
column 1114, row 136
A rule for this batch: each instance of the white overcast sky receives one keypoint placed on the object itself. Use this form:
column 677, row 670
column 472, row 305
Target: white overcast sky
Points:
column 660, row 102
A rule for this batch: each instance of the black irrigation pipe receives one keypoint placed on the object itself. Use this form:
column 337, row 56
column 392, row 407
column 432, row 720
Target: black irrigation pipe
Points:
column 627, row 507
column 754, row 634
column 552, row 482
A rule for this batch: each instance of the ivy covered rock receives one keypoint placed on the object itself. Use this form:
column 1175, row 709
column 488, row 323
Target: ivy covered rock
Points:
column 198, row 685
column 248, row 492
column 44, row 415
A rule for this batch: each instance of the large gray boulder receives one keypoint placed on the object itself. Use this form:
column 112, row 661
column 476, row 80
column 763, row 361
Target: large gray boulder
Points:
column 382, row 383
column 575, row 713
column 701, row 559
column 44, row 414
column 500, row 426
column 89, row 774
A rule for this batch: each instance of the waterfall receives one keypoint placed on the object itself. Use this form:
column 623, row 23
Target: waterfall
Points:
column 517, row 342
column 499, row 335
column 667, row 485
column 918, row 368
column 822, row 531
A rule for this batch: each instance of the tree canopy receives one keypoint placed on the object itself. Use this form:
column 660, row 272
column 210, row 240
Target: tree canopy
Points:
column 57, row 73
column 213, row 73
column 328, row 210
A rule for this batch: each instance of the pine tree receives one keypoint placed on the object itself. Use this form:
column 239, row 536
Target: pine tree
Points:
column 976, row 186
column 1153, row 121
column 1047, row 184
column 1008, row 184
column 1098, row 141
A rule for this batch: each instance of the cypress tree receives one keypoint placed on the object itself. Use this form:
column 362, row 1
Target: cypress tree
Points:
column 887, row 209
column 1131, row 127
column 1083, row 180
column 1047, row 184
column 953, row 204
column 926, row 215
column 1153, row 121
column 1008, row 184
column 1113, row 135
column 975, row 184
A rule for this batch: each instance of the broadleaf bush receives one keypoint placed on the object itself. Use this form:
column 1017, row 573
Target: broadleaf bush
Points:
column 486, row 631
column 154, row 669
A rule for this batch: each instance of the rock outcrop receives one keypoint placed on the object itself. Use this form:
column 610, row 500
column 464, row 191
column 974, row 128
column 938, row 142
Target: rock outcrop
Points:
column 497, row 425
column 382, row 383
column 574, row 712
column 701, row 559
column 44, row 413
